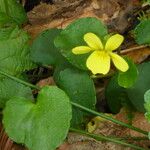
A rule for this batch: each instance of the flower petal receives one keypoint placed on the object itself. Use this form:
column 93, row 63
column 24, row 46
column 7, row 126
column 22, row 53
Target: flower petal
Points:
column 119, row 62
column 98, row 62
column 114, row 42
column 93, row 41
column 81, row 49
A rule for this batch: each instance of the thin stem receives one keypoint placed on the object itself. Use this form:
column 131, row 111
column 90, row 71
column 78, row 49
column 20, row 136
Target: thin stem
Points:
column 105, row 138
column 80, row 106
column 132, row 49
column 19, row 80
column 109, row 118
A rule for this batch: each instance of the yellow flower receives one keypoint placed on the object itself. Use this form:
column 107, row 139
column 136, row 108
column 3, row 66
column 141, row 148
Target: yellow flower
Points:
column 99, row 60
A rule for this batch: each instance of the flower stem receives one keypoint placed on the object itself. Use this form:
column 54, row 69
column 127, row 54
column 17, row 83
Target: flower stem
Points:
column 105, row 138
column 109, row 118
column 80, row 106
column 19, row 80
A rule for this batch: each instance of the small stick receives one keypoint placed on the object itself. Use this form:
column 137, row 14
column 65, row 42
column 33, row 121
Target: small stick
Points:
column 132, row 49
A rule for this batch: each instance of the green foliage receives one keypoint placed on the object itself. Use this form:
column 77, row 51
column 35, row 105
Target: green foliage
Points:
column 146, row 1
column 116, row 95
column 10, row 89
column 128, row 78
column 79, row 87
column 147, row 106
column 4, row 19
column 42, row 125
column 11, row 12
column 14, row 51
column 142, row 32
column 72, row 36
column 43, row 50
column 76, row 83
column 134, row 93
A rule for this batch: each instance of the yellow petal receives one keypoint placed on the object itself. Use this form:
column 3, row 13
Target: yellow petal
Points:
column 119, row 62
column 114, row 42
column 98, row 62
column 93, row 41
column 81, row 49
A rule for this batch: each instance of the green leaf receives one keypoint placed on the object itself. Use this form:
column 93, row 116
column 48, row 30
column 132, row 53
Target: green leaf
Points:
column 43, row 50
column 79, row 87
column 116, row 95
column 4, row 19
column 147, row 104
column 40, row 126
column 136, row 93
column 11, row 12
column 14, row 51
column 128, row 78
column 72, row 36
column 10, row 89
column 142, row 32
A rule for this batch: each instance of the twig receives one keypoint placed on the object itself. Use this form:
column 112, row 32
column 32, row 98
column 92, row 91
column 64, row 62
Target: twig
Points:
column 132, row 49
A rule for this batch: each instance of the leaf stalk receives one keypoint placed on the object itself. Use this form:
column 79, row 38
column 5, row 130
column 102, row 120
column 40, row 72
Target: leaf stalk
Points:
column 79, row 106
column 106, row 138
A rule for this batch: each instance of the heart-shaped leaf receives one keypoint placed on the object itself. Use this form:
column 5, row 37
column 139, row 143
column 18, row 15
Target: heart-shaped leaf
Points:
column 128, row 78
column 142, row 32
column 42, row 125
column 47, row 54
column 73, row 36
column 134, row 94
column 137, row 91
column 116, row 95
column 79, row 87
column 10, row 89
